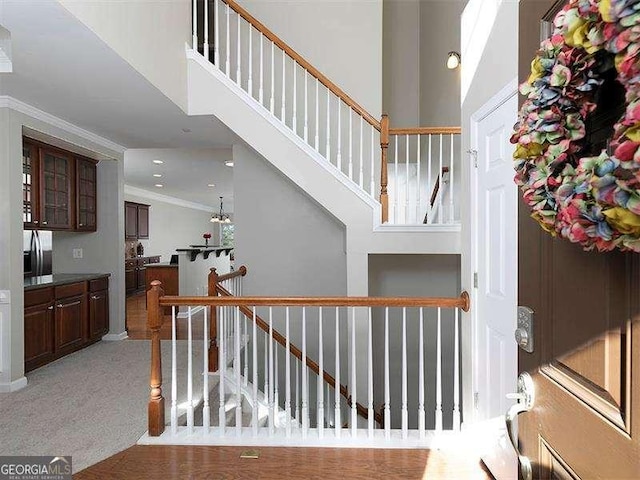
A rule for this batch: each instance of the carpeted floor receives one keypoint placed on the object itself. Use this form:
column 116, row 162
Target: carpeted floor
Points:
column 90, row 404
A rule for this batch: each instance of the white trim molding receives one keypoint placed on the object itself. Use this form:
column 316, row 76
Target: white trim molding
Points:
column 13, row 386
column 7, row 101
column 140, row 192
column 115, row 337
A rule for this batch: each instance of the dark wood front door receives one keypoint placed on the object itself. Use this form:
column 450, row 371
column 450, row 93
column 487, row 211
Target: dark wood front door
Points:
column 585, row 422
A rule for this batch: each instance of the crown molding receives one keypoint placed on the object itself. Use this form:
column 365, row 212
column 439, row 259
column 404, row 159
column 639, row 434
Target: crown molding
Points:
column 140, row 192
column 7, row 101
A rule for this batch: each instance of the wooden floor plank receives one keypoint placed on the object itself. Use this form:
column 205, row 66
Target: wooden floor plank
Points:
column 197, row 462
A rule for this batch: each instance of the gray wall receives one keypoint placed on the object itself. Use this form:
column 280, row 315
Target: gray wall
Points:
column 418, row 89
column 414, row 275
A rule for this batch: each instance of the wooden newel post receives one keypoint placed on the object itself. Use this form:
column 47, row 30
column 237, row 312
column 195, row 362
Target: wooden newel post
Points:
column 154, row 323
column 384, row 144
column 213, row 322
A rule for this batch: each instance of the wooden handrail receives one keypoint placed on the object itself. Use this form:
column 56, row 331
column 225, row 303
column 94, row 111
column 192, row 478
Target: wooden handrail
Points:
column 436, row 187
column 241, row 272
column 461, row 302
column 425, row 131
column 304, row 63
column 296, row 352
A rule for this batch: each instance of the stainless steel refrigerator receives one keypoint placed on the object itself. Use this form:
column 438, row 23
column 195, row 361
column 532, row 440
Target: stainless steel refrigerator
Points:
column 37, row 249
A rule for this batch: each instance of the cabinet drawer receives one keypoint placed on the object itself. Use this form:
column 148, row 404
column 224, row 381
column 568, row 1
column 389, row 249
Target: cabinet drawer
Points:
column 145, row 261
column 70, row 290
column 99, row 284
column 37, row 297
column 154, row 259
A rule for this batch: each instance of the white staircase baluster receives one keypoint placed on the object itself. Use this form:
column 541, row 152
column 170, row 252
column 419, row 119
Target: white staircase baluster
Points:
column 421, row 416
column 174, row 374
column 441, row 189
column 439, row 372
column 337, row 417
column 305, row 392
column 272, row 101
column 451, row 205
column 266, row 366
column 222, row 367
column 276, row 385
column 254, row 356
column 418, row 182
column 296, row 399
column 287, row 360
column 456, row 373
column 238, row 50
column 236, row 369
column 361, row 169
column 261, row 84
column 354, row 385
column 189, row 372
column 305, row 131
column 405, row 409
column 327, row 152
column 271, row 377
column 317, row 137
column 216, row 33
column 406, row 188
column 245, row 344
column 206, row 30
column 339, row 154
column 396, row 180
column 283, row 117
column 370, row 412
column 320, row 389
column 250, row 58
column 206, row 411
column 195, row 25
column 429, row 181
column 350, row 144
column 227, row 66
column 372, row 186
column 387, row 390
column 294, row 120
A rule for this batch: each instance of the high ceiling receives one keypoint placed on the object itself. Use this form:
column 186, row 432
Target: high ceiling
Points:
column 62, row 68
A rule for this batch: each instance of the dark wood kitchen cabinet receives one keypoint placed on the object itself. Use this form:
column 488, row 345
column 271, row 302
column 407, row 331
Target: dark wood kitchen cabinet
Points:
column 135, row 273
column 61, row 319
column 59, row 188
column 136, row 221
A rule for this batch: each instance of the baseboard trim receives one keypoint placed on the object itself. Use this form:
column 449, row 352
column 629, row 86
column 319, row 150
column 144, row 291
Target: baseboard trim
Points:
column 13, row 386
column 115, row 337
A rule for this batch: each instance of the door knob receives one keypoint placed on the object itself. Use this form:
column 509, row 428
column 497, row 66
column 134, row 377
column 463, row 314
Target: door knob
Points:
column 525, row 396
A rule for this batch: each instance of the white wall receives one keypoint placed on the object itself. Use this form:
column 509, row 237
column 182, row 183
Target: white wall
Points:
column 15, row 117
column 341, row 39
column 424, row 276
column 490, row 46
column 172, row 226
column 150, row 35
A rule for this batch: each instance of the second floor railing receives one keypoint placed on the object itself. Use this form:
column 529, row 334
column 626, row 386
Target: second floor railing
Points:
column 391, row 165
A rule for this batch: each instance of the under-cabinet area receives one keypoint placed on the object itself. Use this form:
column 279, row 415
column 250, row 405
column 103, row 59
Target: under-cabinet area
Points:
column 63, row 313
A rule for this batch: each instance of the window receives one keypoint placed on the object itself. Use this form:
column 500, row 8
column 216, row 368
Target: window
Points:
column 226, row 235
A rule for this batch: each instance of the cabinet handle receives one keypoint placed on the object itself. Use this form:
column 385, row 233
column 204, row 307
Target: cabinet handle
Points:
column 44, row 223
column 50, row 307
column 35, row 222
column 81, row 225
column 59, row 305
column 94, row 297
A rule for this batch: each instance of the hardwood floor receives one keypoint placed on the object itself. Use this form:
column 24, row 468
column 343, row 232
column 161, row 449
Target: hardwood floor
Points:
column 136, row 306
column 197, row 462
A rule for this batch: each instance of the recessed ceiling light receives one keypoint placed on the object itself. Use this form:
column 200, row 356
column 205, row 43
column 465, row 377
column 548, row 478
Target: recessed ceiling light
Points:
column 158, row 162
column 157, row 175
column 229, row 163
column 211, row 185
column 159, row 185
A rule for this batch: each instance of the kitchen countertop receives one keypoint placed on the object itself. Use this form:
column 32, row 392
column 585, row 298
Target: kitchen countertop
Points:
column 60, row 279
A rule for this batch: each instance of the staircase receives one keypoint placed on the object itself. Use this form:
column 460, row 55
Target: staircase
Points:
column 376, row 180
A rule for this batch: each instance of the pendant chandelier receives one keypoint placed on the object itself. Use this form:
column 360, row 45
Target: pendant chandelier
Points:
column 220, row 217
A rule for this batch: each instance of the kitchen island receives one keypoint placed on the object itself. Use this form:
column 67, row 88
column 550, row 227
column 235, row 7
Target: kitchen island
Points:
column 63, row 313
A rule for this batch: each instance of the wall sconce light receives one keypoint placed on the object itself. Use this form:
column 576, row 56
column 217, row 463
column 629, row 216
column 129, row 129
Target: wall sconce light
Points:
column 453, row 60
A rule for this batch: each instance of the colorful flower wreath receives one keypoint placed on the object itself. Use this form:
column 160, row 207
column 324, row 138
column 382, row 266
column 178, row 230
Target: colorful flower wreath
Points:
column 593, row 201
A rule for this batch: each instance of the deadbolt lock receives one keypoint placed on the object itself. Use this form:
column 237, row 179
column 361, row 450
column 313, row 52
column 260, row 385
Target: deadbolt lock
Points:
column 524, row 331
